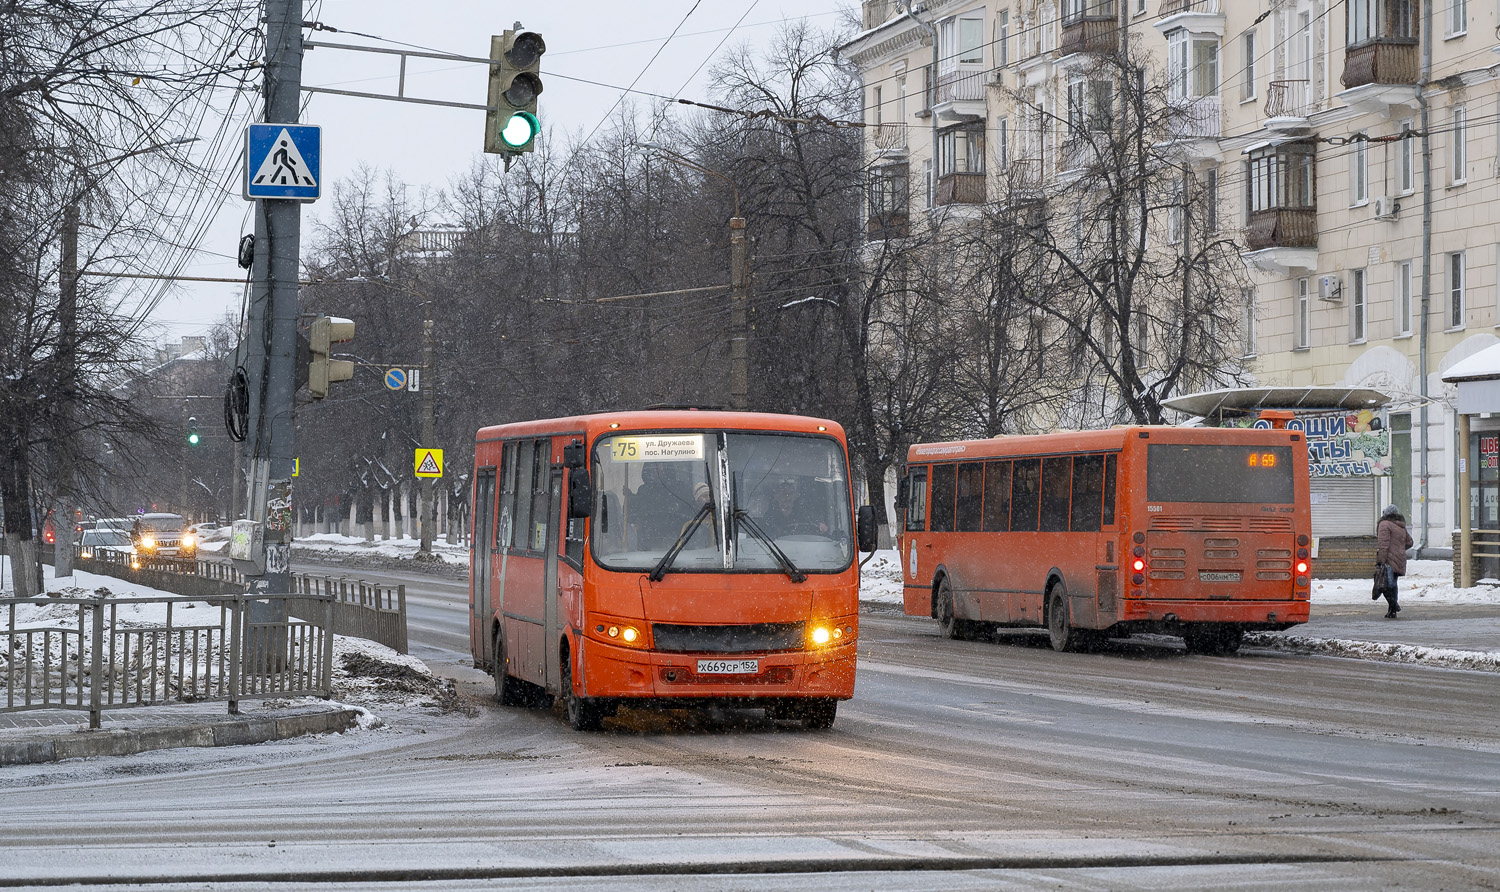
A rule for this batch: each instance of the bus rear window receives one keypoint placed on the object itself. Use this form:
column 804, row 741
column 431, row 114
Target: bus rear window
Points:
column 1179, row 473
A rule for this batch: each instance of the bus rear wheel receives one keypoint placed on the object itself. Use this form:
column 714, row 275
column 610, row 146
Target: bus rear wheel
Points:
column 1213, row 640
column 508, row 690
column 584, row 713
column 949, row 625
column 1060, row 629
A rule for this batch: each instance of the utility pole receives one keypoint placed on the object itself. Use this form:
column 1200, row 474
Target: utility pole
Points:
column 739, row 316
column 271, row 338
column 429, row 433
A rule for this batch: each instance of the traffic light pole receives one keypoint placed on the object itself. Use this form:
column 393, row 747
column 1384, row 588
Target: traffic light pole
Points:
column 270, row 360
column 429, row 435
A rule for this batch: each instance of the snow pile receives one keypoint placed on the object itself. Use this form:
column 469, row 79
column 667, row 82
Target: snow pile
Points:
column 1440, row 657
column 404, row 548
column 368, row 675
column 880, row 578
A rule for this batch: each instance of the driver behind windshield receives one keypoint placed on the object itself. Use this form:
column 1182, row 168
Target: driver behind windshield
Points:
column 787, row 514
column 663, row 503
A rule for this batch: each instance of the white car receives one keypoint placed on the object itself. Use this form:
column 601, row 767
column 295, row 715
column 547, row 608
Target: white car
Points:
column 106, row 539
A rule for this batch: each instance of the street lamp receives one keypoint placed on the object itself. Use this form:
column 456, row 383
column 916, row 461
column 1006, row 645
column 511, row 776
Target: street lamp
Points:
column 739, row 285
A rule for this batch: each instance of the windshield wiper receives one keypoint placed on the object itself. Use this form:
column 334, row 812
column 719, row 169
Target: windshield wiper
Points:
column 787, row 566
column 660, row 570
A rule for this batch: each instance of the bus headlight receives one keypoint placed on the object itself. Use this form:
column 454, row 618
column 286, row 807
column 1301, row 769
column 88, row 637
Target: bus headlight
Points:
column 821, row 635
column 619, row 632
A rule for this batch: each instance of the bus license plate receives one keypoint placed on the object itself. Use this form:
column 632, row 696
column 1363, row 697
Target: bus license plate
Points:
column 728, row 667
column 1219, row 576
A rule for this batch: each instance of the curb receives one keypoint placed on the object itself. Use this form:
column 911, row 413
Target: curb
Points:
column 126, row 742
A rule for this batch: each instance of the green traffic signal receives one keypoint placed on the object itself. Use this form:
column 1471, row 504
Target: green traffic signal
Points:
column 193, row 438
column 521, row 129
column 192, row 430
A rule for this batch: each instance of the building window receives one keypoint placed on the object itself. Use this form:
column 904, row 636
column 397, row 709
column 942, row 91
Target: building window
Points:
column 1369, row 20
column 1456, row 282
column 1174, row 212
column 901, row 101
column 1002, row 144
column 1247, row 321
column 1359, row 174
column 1358, row 306
column 1459, row 148
column 931, row 185
column 1090, row 106
column 960, row 151
column 961, row 42
column 1403, row 298
column 875, row 115
column 1457, row 18
column 1211, row 200
column 1247, row 53
column 1303, row 326
column 1406, row 162
column 1281, row 177
column 1192, row 65
column 1002, row 38
column 888, row 190
column 1073, row 10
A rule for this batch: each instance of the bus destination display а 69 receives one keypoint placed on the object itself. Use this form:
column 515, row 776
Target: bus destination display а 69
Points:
column 1198, row 532
column 671, row 558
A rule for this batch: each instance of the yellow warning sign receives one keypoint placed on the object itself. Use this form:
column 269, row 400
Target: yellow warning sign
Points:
column 429, row 463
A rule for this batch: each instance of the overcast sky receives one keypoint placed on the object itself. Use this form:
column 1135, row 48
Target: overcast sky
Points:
column 607, row 42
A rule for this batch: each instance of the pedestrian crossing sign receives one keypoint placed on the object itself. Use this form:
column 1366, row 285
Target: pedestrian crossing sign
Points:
column 283, row 161
column 429, row 463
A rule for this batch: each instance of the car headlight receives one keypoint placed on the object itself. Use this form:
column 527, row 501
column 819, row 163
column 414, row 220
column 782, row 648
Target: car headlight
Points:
column 188, row 541
column 148, row 542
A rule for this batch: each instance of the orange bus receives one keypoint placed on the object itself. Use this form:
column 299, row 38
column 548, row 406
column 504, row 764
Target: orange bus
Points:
column 1197, row 532
column 667, row 558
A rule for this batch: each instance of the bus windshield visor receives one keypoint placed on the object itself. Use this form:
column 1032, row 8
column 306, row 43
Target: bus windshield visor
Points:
column 763, row 493
column 1241, row 474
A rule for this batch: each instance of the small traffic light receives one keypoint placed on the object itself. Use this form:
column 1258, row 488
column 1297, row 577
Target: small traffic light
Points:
column 192, row 431
column 322, row 371
column 511, row 126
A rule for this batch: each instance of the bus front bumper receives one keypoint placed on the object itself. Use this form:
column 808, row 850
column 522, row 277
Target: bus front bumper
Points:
column 618, row 672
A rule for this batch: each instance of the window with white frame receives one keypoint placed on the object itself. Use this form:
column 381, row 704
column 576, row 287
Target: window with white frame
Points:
column 1247, row 321
column 1090, row 105
column 1359, row 173
column 1457, row 17
column 1457, row 274
column 1458, row 154
column 1192, row 65
column 1002, row 144
column 1247, row 72
column 960, row 42
column 1174, row 212
column 1372, row 20
column 875, row 104
column 1002, row 38
column 1211, row 200
column 960, row 151
column 1406, row 162
column 901, row 99
column 1358, row 306
column 1402, row 309
column 1302, row 328
column 931, row 186
column 1073, row 10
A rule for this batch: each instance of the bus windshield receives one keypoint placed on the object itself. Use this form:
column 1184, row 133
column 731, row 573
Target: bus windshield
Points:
column 771, row 492
column 1244, row 474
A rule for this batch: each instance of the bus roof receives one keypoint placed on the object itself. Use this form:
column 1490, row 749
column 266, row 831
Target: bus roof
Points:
column 663, row 419
column 1084, row 441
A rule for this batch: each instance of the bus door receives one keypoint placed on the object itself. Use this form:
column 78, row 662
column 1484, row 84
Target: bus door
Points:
column 551, row 624
column 479, row 575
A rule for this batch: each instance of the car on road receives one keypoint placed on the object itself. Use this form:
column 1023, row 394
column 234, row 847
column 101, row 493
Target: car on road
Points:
column 162, row 535
column 105, row 540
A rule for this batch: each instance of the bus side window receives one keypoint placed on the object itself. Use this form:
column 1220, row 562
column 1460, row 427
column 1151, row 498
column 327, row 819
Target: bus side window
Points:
column 504, row 529
column 916, row 499
column 942, row 497
column 970, row 496
column 1088, row 493
column 1056, row 480
column 1111, row 462
column 520, row 536
column 541, row 478
column 1025, row 494
column 996, row 496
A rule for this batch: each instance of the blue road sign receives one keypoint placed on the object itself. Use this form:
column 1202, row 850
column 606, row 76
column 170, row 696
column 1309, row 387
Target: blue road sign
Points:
column 283, row 161
column 395, row 379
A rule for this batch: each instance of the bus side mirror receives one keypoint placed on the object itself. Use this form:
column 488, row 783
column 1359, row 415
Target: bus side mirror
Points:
column 864, row 528
column 573, row 456
column 580, row 494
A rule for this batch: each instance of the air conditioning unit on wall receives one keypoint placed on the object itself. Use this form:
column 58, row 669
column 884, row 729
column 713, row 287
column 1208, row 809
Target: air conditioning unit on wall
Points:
column 1330, row 288
column 1386, row 208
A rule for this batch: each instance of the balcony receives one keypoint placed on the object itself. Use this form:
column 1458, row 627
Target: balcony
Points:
column 1098, row 34
column 891, row 224
column 1288, row 104
column 1282, row 228
column 959, row 95
column 1195, row 125
column 1381, row 74
column 889, row 138
column 960, row 188
column 1195, row 16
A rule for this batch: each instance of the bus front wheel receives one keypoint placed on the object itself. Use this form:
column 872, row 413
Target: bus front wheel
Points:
column 1213, row 640
column 584, row 713
column 1059, row 624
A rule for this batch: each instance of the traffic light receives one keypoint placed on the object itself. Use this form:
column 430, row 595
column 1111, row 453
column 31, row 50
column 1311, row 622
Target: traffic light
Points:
column 511, row 126
column 322, row 371
column 193, row 437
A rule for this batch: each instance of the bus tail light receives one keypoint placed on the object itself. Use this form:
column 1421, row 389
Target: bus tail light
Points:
column 1138, row 563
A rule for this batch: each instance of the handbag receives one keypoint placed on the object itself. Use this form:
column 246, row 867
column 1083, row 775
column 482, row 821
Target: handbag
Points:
column 1381, row 577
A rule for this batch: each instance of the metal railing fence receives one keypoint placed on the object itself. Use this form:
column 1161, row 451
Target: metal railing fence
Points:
column 97, row 653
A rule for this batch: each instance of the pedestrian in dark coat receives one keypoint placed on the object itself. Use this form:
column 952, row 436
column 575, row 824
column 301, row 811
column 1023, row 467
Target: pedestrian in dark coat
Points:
column 1391, row 542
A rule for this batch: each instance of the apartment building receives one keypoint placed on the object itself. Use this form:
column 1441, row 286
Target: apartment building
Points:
column 1354, row 147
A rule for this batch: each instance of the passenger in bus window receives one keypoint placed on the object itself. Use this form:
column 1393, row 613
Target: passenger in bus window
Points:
column 787, row 514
